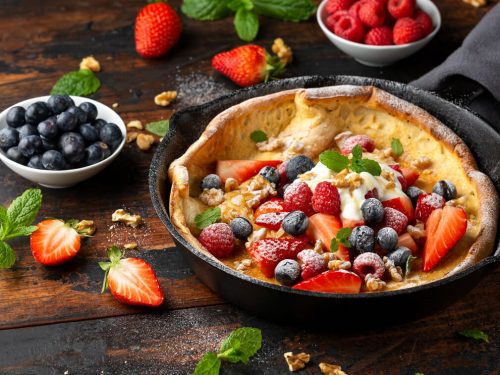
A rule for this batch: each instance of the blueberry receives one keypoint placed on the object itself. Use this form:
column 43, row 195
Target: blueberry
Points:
column 15, row 117
column 93, row 154
column 295, row 223
column 372, row 210
column 48, row 128
column 9, row 137
column 111, row 135
column 241, row 228
column 79, row 113
column 31, row 145
column 59, row 103
column 211, row 181
column 104, row 148
column 67, row 122
column 298, row 165
column 36, row 162
column 90, row 110
column 14, row 154
column 36, row 113
column 387, row 238
column 72, row 146
column 413, row 192
column 446, row 189
column 98, row 124
column 53, row 160
column 400, row 256
column 362, row 239
column 271, row 174
column 287, row 272
column 49, row 144
column 89, row 133
column 26, row 130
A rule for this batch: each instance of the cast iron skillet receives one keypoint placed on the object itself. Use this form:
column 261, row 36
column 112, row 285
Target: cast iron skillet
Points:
column 285, row 304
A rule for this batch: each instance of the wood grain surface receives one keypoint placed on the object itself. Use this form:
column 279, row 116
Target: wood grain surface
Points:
column 55, row 319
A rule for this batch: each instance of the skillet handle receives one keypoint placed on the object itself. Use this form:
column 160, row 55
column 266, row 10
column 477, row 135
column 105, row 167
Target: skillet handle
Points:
column 460, row 90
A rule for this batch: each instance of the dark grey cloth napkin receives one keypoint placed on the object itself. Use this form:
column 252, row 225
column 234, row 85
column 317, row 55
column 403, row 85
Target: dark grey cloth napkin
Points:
column 478, row 59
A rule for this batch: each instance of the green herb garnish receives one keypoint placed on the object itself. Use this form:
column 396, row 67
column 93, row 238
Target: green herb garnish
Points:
column 397, row 147
column 258, row 136
column 475, row 334
column 341, row 238
column 160, row 128
column 337, row 162
column 80, row 82
column 207, row 217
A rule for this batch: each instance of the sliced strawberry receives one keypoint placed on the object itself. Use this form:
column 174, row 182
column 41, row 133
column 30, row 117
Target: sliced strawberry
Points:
column 411, row 175
column 340, row 281
column 267, row 253
column 400, row 176
column 324, row 227
column 131, row 280
column 272, row 205
column 445, row 227
column 402, row 204
column 426, row 203
column 407, row 241
column 271, row 220
column 311, row 263
column 350, row 223
column 242, row 170
column 55, row 242
column 373, row 193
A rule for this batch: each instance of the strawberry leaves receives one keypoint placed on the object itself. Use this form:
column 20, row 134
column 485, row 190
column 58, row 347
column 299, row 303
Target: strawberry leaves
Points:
column 114, row 254
column 475, row 334
column 337, row 162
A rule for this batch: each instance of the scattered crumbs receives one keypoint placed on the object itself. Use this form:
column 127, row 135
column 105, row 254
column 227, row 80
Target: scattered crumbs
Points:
column 115, row 105
column 66, row 372
column 197, row 88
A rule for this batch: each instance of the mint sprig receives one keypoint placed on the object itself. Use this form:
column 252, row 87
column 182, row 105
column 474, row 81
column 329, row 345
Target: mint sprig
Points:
column 80, row 82
column 240, row 346
column 396, row 147
column 210, row 216
column 341, row 238
column 475, row 334
column 16, row 221
column 337, row 162
column 258, row 136
column 160, row 128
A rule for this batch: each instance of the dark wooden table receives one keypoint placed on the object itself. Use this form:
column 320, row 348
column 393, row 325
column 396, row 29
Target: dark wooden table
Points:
column 55, row 319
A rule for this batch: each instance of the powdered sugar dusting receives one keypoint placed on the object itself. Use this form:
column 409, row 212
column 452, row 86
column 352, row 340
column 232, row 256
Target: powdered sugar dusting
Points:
column 433, row 200
column 197, row 88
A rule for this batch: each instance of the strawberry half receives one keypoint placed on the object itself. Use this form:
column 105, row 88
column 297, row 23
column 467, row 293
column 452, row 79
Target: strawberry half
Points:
column 242, row 170
column 324, row 227
column 340, row 281
column 56, row 242
column 248, row 65
column 445, row 227
column 272, row 205
column 271, row 220
column 407, row 241
column 131, row 280
column 411, row 175
column 403, row 205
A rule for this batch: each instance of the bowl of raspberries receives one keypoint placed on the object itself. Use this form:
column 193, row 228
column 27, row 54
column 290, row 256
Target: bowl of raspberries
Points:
column 379, row 32
column 60, row 140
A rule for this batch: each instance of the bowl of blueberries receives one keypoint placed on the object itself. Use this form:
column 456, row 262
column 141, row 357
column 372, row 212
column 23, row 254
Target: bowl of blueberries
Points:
column 58, row 141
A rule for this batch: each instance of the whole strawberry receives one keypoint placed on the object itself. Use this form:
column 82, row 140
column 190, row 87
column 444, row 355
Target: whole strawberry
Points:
column 157, row 29
column 247, row 65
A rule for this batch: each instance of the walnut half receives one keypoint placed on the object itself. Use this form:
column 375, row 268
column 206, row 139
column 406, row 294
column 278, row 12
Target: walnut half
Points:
column 329, row 369
column 124, row 217
column 296, row 361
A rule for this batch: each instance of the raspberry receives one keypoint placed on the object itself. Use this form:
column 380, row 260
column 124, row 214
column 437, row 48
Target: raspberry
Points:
column 354, row 9
column 406, row 30
column 298, row 197
column 373, row 193
column 333, row 18
column 425, row 22
column 311, row 263
column 350, row 28
column 401, row 8
column 366, row 263
column 372, row 13
column 379, row 36
column 217, row 239
column 426, row 203
column 364, row 141
column 394, row 219
column 326, row 199
column 334, row 5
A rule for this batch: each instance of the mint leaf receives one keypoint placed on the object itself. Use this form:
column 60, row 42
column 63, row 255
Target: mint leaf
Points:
column 475, row 334
column 160, row 128
column 245, row 342
column 343, row 236
column 357, row 152
column 258, row 136
column 4, row 222
column 208, row 365
column 246, row 23
column 207, row 217
column 286, row 10
column 397, row 147
column 80, row 82
column 334, row 161
column 23, row 210
column 419, row 373
column 237, row 4
column 22, row 231
column 7, row 255
column 370, row 166
column 206, row 10
column 334, row 245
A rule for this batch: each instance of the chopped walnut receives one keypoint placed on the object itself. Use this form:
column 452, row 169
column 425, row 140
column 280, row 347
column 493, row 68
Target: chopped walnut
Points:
column 212, row 197
column 130, row 246
column 318, row 247
column 390, row 185
column 416, row 232
column 328, row 369
column 131, row 136
column 145, row 141
column 231, row 184
column 354, row 180
column 256, row 235
column 373, row 283
column 283, row 51
column 246, row 262
column 389, row 176
column 165, row 98
column 340, row 179
column 328, row 256
column 296, row 361
column 476, row 3
column 124, row 217
column 115, row 105
column 279, row 233
column 396, row 273
column 243, row 265
column 338, row 264
column 86, row 227
column 422, row 162
column 270, row 145
column 90, row 63
column 135, row 124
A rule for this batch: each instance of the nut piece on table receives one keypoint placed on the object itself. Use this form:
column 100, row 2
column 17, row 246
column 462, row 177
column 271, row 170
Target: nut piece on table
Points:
column 165, row 98
column 86, row 227
column 283, row 51
column 329, row 369
column 90, row 63
column 145, row 141
column 130, row 246
column 296, row 361
column 135, row 124
column 124, row 217
column 476, row 3
column 131, row 136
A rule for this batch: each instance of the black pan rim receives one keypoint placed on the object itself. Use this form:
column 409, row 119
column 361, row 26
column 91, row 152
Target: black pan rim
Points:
column 165, row 218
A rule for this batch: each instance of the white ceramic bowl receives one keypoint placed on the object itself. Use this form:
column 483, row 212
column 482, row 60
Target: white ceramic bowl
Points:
column 70, row 177
column 381, row 55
